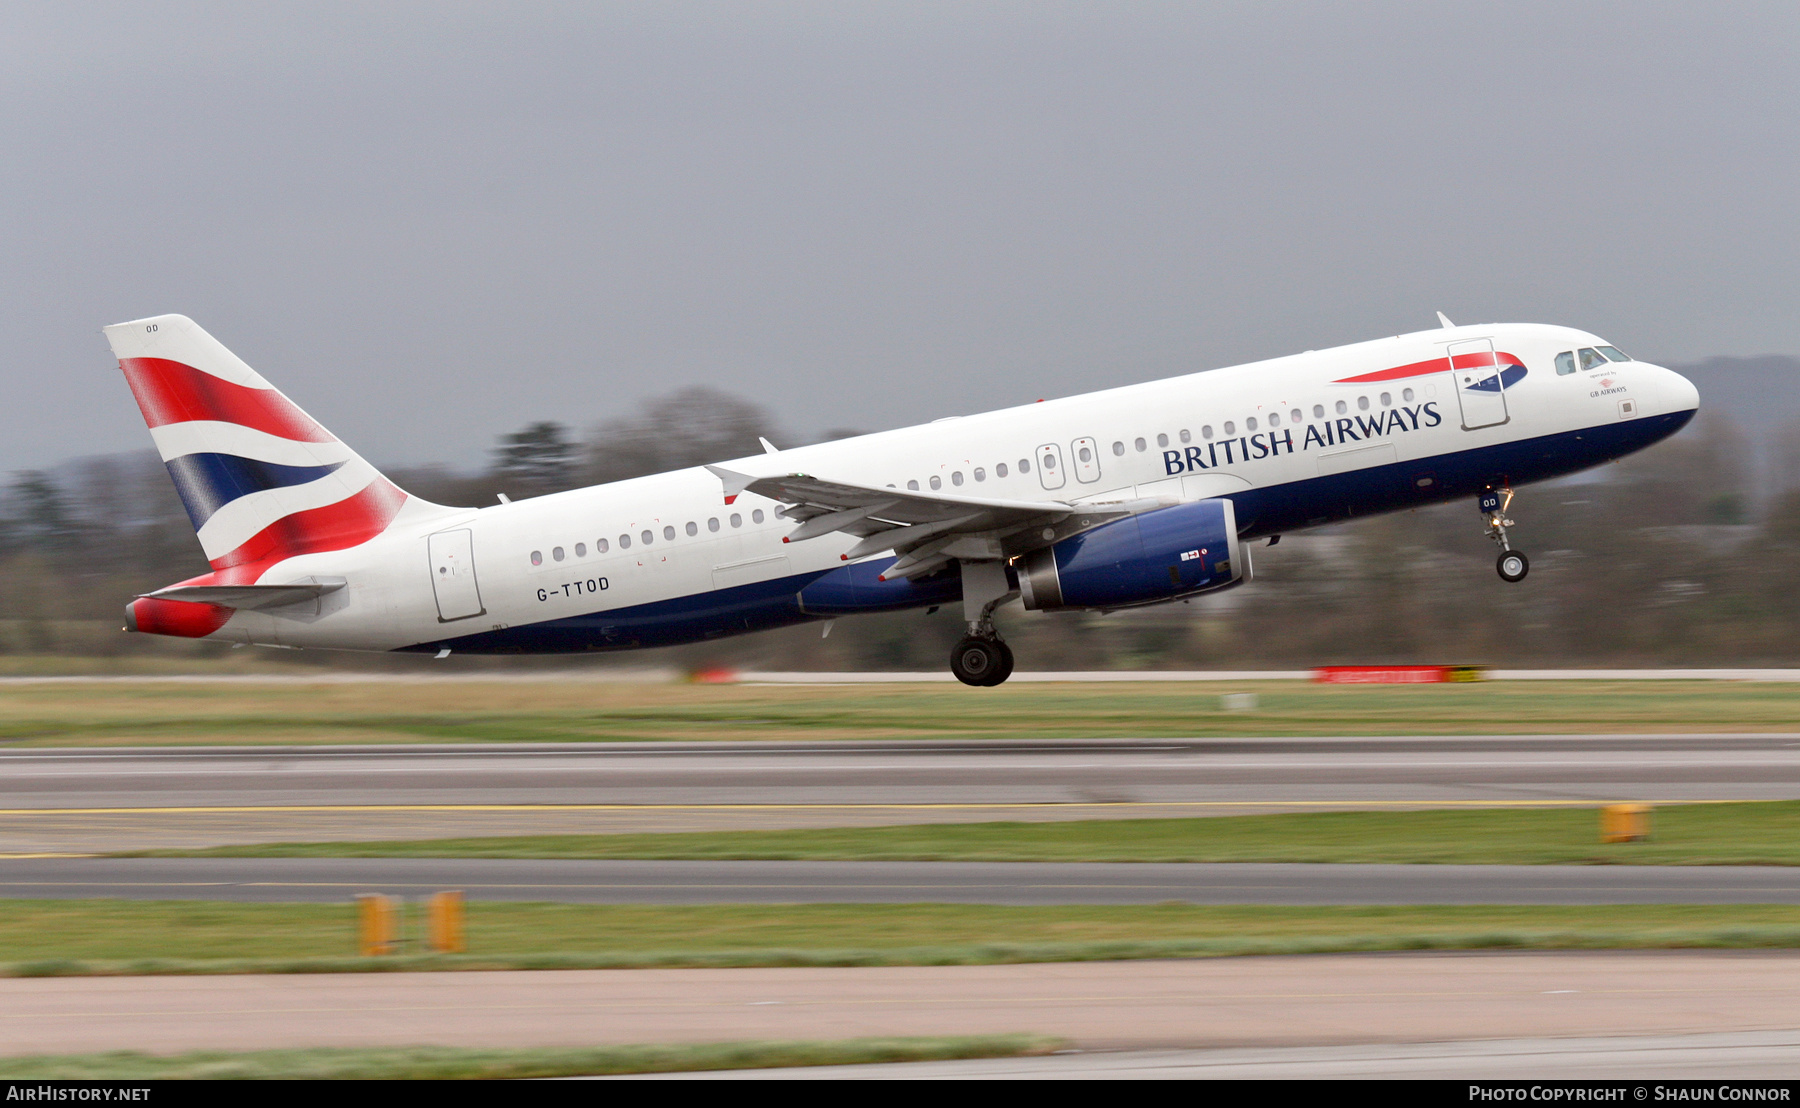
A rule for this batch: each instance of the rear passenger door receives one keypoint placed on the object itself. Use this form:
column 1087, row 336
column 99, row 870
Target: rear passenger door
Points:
column 452, row 556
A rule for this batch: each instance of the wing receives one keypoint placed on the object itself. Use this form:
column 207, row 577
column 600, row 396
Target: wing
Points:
column 925, row 530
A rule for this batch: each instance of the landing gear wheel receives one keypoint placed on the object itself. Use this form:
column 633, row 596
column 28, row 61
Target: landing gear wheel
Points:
column 1512, row 566
column 1006, row 665
column 981, row 662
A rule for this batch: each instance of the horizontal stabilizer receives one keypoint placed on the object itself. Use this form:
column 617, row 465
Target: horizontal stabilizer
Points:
column 250, row 597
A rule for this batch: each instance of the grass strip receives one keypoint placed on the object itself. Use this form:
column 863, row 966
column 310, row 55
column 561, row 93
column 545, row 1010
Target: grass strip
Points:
column 113, row 714
column 1760, row 833
column 986, row 954
column 455, row 1063
column 99, row 937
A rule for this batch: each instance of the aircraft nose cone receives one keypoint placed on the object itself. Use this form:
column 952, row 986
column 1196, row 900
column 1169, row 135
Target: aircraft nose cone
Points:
column 1683, row 396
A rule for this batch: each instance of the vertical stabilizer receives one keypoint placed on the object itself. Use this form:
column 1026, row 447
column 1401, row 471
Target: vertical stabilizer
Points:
column 262, row 481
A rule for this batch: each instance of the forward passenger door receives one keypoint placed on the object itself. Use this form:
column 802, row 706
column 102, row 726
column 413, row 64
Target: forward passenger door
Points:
column 1475, row 375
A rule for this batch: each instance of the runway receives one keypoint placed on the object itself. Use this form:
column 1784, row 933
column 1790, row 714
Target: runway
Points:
column 1319, row 1001
column 1769, row 1056
column 335, row 880
column 113, row 799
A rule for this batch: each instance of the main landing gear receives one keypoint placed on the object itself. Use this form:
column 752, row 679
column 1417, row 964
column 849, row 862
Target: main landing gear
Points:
column 982, row 662
column 981, row 657
column 1512, row 565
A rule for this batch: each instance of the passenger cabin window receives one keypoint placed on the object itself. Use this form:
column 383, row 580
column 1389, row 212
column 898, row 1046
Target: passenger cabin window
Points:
column 669, row 533
column 647, row 537
column 712, row 524
column 1206, row 430
column 1161, row 441
column 1591, row 358
column 1613, row 354
column 937, row 483
column 1119, row 449
column 980, row 474
column 1362, row 403
column 1049, row 462
column 557, row 553
column 1387, row 400
column 1250, row 424
column 693, row 528
column 1406, row 395
column 1186, row 435
column 1274, row 419
column 737, row 520
column 1295, row 416
column 1565, row 363
column 999, row 471
column 756, row 516
column 624, row 542
column 1342, row 407
column 912, row 486
column 1318, row 411
column 600, row 546
column 1230, row 427
column 537, row 557
column 1024, row 465
column 1085, row 454
column 956, row 478
column 581, row 550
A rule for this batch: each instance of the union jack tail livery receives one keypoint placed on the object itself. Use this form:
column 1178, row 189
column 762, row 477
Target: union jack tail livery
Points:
column 261, row 480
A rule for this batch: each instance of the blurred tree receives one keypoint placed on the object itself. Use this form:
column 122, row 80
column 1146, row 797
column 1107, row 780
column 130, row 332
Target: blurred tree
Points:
column 536, row 460
column 40, row 517
column 690, row 427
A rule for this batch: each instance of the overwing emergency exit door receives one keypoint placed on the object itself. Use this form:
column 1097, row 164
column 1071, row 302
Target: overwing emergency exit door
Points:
column 1475, row 375
column 453, row 575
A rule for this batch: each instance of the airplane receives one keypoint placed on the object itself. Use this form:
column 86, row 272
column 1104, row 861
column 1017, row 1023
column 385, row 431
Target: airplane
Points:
column 1132, row 496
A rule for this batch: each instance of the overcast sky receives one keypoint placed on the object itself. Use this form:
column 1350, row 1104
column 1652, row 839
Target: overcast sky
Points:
column 429, row 224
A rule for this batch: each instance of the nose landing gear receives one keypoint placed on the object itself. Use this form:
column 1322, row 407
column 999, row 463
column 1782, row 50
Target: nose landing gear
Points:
column 1512, row 565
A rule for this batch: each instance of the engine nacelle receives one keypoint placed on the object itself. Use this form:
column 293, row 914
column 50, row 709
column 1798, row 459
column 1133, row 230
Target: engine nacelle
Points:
column 1144, row 559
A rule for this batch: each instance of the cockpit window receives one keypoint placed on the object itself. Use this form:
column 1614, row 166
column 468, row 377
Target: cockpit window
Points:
column 1565, row 363
column 1613, row 353
column 1591, row 358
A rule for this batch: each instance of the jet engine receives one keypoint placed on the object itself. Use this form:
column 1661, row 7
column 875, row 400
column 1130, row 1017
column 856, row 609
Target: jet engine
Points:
column 1143, row 559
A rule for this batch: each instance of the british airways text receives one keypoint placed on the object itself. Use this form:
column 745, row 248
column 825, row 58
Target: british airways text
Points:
column 1264, row 444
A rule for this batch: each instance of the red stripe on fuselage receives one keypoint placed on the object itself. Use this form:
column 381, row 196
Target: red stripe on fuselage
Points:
column 171, row 392
column 1432, row 365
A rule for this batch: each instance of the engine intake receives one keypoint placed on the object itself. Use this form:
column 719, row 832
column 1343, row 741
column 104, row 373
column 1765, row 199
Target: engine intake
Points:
column 1144, row 559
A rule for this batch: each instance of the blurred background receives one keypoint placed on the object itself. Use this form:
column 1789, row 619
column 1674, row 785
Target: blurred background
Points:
column 1684, row 555
column 515, row 250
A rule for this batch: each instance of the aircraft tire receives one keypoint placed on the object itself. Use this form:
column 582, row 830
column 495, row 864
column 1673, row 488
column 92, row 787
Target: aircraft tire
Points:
column 1512, row 566
column 1006, row 665
column 976, row 661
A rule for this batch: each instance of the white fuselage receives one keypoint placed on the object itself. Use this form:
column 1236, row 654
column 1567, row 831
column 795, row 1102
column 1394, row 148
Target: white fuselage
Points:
column 609, row 547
